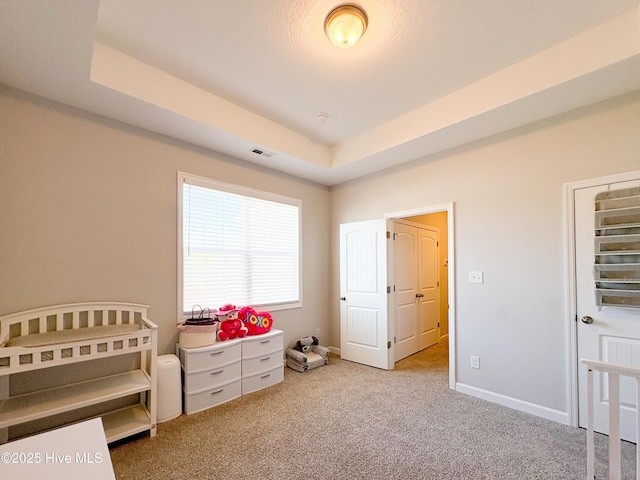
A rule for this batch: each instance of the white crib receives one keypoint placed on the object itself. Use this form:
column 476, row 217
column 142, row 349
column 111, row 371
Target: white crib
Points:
column 613, row 372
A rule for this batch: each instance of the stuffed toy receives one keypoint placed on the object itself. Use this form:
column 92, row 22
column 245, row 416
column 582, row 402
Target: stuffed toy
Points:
column 256, row 322
column 304, row 344
column 306, row 355
column 230, row 325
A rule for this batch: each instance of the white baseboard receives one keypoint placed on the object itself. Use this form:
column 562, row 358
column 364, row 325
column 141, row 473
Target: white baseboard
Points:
column 521, row 405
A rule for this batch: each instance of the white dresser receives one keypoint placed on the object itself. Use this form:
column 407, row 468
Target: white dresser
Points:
column 211, row 375
column 262, row 361
column 223, row 371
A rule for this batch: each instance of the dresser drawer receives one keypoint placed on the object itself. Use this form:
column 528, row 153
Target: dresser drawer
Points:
column 262, row 344
column 196, row 402
column 208, row 379
column 259, row 364
column 252, row 383
column 206, row 358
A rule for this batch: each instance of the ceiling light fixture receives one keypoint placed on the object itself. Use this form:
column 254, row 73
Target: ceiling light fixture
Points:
column 345, row 25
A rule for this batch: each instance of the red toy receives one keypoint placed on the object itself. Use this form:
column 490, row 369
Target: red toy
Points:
column 230, row 325
column 255, row 322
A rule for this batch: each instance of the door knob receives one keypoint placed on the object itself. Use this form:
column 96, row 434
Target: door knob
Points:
column 343, row 298
column 587, row 319
column 419, row 295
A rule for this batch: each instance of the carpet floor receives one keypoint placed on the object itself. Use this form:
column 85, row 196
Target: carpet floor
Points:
column 349, row 421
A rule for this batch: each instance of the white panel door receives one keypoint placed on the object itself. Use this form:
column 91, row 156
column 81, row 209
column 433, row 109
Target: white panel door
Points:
column 363, row 293
column 405, row 272
column 428, row 289
column 610, row 334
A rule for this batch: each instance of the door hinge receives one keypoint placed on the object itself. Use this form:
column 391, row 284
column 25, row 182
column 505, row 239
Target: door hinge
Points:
column 394, row 340
column 388, row 289
column 389, row 344
column 576, row 318
column 438, row 324
column 437, row 244
column 437, row 284
column 388, row 234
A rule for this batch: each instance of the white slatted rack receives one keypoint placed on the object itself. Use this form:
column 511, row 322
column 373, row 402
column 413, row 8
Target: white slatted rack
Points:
column 617, row 248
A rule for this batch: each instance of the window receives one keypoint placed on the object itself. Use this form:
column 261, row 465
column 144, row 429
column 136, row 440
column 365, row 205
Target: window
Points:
column 236, row 245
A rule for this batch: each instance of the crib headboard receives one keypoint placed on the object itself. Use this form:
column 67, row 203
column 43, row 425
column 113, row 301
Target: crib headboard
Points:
column 70, row 316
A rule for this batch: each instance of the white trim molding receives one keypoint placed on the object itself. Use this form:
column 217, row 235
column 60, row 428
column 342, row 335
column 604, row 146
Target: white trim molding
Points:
column 521, row 405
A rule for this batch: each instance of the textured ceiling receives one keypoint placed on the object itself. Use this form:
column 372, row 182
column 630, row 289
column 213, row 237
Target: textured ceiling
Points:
column 273, row 58
column 229, row 75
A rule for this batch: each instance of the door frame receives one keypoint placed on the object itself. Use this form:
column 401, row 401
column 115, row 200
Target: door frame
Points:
column 451, row 315
column 571, row 307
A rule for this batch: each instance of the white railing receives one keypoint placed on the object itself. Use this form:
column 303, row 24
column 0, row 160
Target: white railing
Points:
column 613, row 372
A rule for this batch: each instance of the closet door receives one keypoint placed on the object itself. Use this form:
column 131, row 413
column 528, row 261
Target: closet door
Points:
column 416, row 289
column 405, row 258
column 428, row 288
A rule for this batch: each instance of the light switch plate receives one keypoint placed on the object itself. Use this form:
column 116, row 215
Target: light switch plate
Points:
column 476, row 277
column 475, row 361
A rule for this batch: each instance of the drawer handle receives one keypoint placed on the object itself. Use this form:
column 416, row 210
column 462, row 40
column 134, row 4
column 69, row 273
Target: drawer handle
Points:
column 264, row 359
column 265, row 376
column 217, row 391
column 265, row 341
column 217, row 373
column 217, row 353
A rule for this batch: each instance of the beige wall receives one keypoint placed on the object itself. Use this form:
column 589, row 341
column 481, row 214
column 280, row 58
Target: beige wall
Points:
column 508, row 213
column 88, row 212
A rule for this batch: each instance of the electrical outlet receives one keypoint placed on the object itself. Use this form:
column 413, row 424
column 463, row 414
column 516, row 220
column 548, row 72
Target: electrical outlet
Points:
column 475, row 361
column 318, row 332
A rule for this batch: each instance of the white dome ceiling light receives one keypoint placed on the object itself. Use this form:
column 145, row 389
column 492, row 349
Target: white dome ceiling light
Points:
column 345, row 25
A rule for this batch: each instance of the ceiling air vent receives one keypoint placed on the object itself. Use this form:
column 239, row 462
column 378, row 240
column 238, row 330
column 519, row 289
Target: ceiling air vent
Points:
column 262, row 153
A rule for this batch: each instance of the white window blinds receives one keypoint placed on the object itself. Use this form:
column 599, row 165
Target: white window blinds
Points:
column 238, row 248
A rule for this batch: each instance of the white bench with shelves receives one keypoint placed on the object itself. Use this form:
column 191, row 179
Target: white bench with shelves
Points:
column 67, row 334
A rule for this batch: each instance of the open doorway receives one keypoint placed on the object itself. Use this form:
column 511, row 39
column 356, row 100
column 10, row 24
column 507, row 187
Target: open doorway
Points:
column 367, row 320
column 419, row 284
column 437, row 219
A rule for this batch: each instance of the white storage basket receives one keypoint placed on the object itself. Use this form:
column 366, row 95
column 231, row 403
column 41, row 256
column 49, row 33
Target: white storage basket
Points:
column 194, row 336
